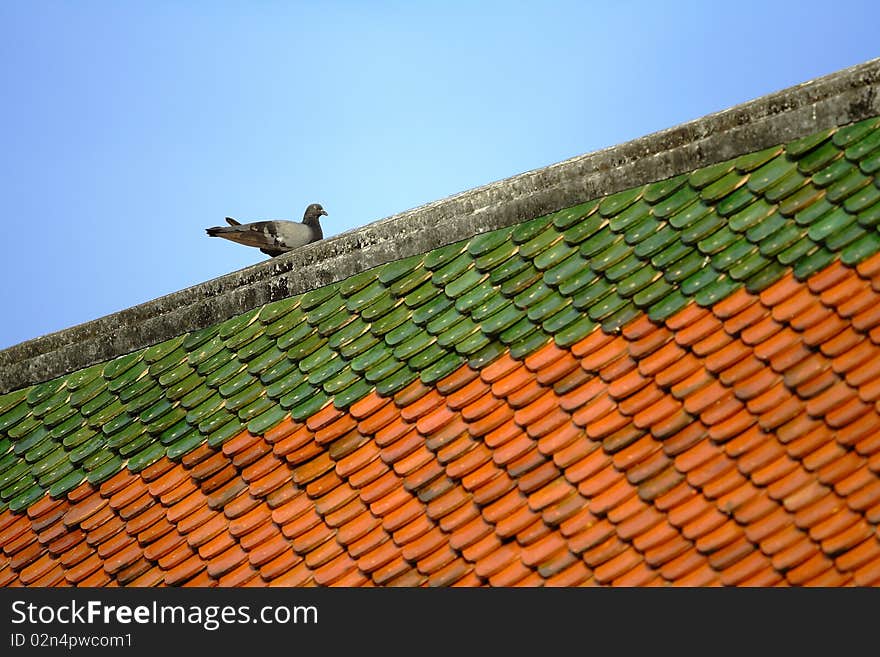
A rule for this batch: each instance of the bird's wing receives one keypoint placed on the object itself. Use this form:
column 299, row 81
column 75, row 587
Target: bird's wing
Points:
column 292, row 235
column 261, row 234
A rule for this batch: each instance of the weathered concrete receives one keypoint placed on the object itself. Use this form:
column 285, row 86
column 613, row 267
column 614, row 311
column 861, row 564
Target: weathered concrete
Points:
column 843, row 97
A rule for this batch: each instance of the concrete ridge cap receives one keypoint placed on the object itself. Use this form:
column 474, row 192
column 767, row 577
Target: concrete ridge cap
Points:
column 842, row 97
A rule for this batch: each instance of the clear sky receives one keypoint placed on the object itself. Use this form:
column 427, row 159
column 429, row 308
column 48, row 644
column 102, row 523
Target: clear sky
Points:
column 126, row 128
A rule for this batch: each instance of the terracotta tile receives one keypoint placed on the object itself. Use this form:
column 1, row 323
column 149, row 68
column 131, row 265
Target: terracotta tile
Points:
column 723, row 485
column 496, row 561
column 715, row 477
column 836, row 523
column 550, row 494
column 574, row 575
column 239, row 443
column 541, row 550
column 811, row 568
column 252, row 454
column 592, row 536
column 390, row 571
column 640, row 575
column 788, row 484
column 604, row 552
column 281, row 430
column 856, row 557
column 275, row 547
column 869, row 267
column 17, row 525
column 436, row 561
column 867, row 319
column 847, row 539
column 868, row 575
column 741, row 372
column 592, row 480
column 744, row 568
column 554, row 564
column 516, row 522
column 745, row 317
column 814, row 513
column 373, row 402
column 640, row 327
column 330, row 572
column 301, row 523
column 498, row 368
column 403, row 515
column 168, row 482
column 97, row 579
column 843, row 291
column 603, row 501
column 618, row 566
column 81, row 510
column 724, row 534
column 852, row 483
column 413, row 461
column 595, row 341
column 658, row 484
column 603, row 427
column 378, row 557
column 312, row 538
column 361, row 535
column 712, row 343
column 540, row 473
column 41, row 507
column 573, row 380
column 530, row 532
column 546, row 355
column 371, row 424
column 559, row 438
column 558, row 370
column 270, row 482
column 675, row 559
column 805, row 496
column 323, row 553
column 764, row 578
column 279, row 565
column 790, row 357
column 865, row 498
column 83, row 569
column 809, row 442
column 37, row 569
column 733, row 304
column 829, row 578
column 701, row 328
column 248, row 521
column 299, row 575
column 701, row 576
column 510, row 575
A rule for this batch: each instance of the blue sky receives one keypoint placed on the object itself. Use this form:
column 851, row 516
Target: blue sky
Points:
column 128, row 127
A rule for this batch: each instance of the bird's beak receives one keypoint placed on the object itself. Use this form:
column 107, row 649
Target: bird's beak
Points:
column 324, row 212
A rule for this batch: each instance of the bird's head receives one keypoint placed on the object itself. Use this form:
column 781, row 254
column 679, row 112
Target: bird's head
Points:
column 314, row 212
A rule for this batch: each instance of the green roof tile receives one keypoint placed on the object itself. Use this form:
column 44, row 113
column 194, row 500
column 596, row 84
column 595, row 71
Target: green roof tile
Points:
column 800, row 146
column 707, row 175
column 694, row 238
column 771, row 173
column 853, row 133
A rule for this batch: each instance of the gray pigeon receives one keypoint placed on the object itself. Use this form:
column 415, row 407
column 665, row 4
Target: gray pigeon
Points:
column 274, row 237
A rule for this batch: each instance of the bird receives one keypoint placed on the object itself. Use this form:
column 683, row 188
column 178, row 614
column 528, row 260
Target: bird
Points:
column 277, row 236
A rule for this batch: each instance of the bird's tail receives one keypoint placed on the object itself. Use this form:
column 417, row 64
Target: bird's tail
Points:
column 217, row 231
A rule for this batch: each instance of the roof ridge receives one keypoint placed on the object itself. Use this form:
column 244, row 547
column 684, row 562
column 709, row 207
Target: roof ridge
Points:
column 842, row 97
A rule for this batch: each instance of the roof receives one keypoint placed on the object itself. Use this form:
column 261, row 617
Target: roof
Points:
column 670, row 383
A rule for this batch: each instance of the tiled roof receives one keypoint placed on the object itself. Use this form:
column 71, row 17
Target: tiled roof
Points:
column 674, row 384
